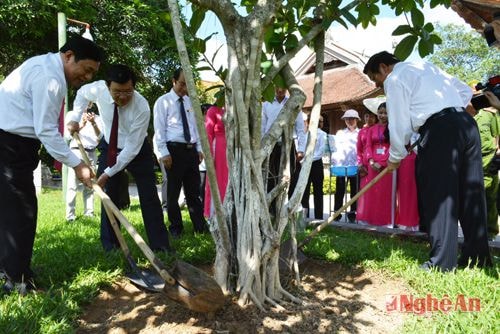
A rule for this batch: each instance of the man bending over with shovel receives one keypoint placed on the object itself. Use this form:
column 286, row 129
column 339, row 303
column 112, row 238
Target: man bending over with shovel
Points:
column 125, row 117
column 449, row 171
column 31, row 98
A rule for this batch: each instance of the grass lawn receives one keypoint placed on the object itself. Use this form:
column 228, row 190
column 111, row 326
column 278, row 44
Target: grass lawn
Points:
column 72, row 267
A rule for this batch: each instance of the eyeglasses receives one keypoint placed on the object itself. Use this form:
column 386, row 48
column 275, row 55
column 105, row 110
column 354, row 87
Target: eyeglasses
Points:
column 116, row 93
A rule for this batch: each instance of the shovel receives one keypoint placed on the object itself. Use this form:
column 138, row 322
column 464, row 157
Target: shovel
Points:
column 187, row 284
column 286, row 252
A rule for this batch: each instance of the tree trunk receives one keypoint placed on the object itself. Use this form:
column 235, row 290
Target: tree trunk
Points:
column 247, row 237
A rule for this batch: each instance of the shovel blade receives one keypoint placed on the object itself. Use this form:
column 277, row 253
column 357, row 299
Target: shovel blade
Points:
column 194, row 288
column 147, row 280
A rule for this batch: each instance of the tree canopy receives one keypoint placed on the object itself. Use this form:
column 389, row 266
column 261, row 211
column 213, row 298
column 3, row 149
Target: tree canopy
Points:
column 465, row 54
column 136, row 33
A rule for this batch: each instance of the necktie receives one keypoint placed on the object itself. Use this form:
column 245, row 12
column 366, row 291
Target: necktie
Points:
column 185, row 125
column 113, row 140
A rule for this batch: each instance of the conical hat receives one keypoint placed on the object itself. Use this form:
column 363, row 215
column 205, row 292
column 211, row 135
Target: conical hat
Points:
column 373, row 103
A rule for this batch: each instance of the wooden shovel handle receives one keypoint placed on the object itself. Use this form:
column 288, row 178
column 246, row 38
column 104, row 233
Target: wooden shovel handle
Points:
column 113, row 211
column 339, row 211
column 350, row 202
column 157, row 264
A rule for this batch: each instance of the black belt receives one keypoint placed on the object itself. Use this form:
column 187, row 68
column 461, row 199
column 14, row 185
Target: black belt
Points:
column 86, row 149
column 181, row 145
column 443, row 112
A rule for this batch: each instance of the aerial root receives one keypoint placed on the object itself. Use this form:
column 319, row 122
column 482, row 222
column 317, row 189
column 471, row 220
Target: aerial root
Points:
column 256, row 301
column 274, row 303
column 290, row 296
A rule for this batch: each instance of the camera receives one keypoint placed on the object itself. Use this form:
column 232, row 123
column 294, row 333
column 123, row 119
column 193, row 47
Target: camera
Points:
column 493, row 85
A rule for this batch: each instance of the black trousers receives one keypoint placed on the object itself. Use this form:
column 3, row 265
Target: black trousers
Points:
column 340, row 189
column 274, row 168
column 184, row 172
column 316, row 177
column 18, row 204
column 141, row 168
column 450, row 188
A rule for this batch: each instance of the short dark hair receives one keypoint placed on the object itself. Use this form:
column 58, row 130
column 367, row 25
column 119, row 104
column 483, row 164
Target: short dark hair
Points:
column 374, row 62
column 83, row 48
column 177, row 73
column 382, row 105
column 120, row 73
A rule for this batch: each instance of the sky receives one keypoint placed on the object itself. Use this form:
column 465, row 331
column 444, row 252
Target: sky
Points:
column 365, row 41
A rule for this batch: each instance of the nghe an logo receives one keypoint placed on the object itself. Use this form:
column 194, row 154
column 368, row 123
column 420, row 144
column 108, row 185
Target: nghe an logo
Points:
column 421, row 305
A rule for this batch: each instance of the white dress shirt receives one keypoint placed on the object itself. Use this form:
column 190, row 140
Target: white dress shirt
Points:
column 87, row 135
column 167, row 122
column 319, row 148
column 271, row 110
column 345, row 143
column 415, row 91
column 31, row 99
column 133, row 120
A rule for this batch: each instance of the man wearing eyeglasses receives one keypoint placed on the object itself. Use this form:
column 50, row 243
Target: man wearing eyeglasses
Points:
column 125, row 116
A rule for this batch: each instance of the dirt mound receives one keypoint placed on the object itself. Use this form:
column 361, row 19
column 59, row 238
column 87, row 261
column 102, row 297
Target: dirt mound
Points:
column 336, row 299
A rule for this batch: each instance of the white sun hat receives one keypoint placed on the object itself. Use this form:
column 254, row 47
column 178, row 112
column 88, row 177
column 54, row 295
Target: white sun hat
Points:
column 350, row 113
column 373, row 103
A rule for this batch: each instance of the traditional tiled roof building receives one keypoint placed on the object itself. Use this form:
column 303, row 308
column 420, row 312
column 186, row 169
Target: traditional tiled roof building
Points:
column 344, row 84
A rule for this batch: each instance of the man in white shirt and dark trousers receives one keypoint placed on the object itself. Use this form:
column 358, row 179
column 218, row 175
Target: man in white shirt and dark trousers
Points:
column 421, row 97
column 125, row 117
column 90, row 135
column 177, row 140
column 31, row 98
column 316, row 175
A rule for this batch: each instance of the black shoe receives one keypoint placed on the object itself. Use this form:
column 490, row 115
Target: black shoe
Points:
column 351, row 216
column 22, row 288
column 338, row 218
column 428, row 267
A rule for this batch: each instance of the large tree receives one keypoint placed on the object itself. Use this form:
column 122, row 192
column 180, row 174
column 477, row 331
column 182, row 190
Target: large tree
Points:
column 262, row 36
column 465, row 54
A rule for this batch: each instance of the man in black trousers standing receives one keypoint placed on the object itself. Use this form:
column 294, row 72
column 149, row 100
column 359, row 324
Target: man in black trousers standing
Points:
column 31, row 98
column 177, row 140
column 423, row 98
column 125, row 117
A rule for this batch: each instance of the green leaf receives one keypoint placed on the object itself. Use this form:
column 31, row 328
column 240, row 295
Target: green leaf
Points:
column 405, row 47
column 268, row 93
column 348, row 16
column 279, row 81
column 402, row 30
column 291, row 42
column 429, row 27
column 204, row 68
column 417, row 17
column 214, row 87
column 266, row 64
column 435, row 39
column 197, row 18
column 425, row 48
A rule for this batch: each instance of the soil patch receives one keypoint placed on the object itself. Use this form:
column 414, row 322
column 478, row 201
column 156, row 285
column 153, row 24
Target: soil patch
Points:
column 336, row 299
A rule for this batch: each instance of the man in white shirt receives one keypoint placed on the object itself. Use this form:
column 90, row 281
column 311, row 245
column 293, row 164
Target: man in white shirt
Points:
column 90, row 135
column 179, row 147
column 316, row 174
column 31, row 98
column 125, row 117
column 423, row 98
column 270, row 111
